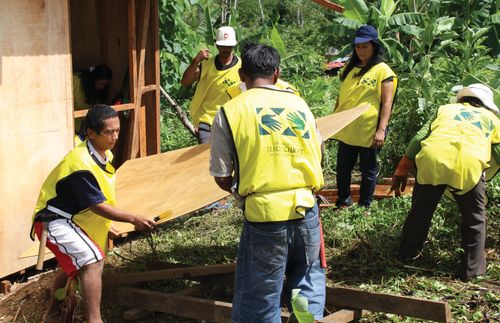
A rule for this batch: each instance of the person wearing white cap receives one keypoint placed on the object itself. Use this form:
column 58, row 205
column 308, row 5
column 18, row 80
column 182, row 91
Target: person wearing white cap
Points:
column 455, row 153
column 214, row 75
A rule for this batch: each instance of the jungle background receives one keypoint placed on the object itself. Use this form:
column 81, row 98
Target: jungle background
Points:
column 432, row 46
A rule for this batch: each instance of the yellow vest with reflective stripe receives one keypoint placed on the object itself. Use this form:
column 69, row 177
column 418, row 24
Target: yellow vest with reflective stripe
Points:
column 354, row 91
column 278, row 151
column 458, row 149
column 79, row 159
column 238, row 88
column 211, row 90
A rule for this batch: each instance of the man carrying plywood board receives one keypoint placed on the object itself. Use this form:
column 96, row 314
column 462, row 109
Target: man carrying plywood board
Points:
column 75, row 209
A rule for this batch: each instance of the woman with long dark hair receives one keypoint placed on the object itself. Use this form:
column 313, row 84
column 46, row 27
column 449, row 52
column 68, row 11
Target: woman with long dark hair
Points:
column 365, row 79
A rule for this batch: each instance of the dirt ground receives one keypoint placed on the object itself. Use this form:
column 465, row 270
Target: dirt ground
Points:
column 27, row 301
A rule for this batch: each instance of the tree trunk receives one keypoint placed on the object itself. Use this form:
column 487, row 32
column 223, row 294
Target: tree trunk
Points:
column 180, row 113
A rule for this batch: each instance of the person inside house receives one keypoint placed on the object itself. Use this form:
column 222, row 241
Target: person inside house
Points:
column 455, row 153
column 90, row 86
column 76, row 207
column 366, row 79
column 213, row 76
column 265, row 149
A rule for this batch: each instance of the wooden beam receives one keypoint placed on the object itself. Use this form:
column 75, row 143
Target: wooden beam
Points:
column 149, row 88
column 119, row 107
column 184, row 273
column 142, row 131
column 342, row 297
column 135, row 131
column 185, row 306
column 342, row 316
column 132, row 52
column 329, row 5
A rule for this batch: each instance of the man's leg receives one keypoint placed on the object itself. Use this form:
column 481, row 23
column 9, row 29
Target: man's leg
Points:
column 347, row 156
column 260, row 270
column 424, row 201
column 91, row 279
column 54, row 309
column 368, row 167
column 304, row 266
column 473, row 228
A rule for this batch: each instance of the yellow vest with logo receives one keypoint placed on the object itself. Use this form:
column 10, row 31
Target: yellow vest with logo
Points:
column 79, row 159
column 278, row 151
column 238, row 88
column 211, row 90
column 354, row 91
column 458, row 149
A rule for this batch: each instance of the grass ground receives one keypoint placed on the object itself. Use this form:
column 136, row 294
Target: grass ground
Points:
column 361, row 246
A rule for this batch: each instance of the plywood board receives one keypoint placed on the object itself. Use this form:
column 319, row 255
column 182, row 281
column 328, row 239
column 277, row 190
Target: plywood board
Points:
column 36, row 122
column 178, row 182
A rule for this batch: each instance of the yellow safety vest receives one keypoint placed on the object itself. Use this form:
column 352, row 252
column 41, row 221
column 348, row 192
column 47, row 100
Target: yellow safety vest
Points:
column 79, row 159
column 458, row 149
column 238, row 88
column 354, row 91
column 211, row 90
column 278, row 151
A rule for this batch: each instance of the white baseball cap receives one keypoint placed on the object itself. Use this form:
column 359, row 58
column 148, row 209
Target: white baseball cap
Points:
column 226, row 36
column 482, row 92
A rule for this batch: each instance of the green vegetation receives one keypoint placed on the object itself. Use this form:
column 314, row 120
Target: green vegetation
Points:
column 433, row 46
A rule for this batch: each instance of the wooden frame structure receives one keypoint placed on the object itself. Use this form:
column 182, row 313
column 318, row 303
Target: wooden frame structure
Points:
column 343, row 304
column 41, row 44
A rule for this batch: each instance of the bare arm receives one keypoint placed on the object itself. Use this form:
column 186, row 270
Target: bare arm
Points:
column 112, row 213
column 385, row 113
column 224, row 183
column 192, row 73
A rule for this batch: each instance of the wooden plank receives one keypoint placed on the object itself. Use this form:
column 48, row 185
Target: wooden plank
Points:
column 119, row 107
column 142, row 132
column 330, row 125
column 342, row 316
column 162, row 185
column 132, row 44
column 152, row 100
column 36, row 114
column 173, row 273
column 329, row 5
column 343, row 297
column 185, row 306
column 134, row 129
column 149, row 88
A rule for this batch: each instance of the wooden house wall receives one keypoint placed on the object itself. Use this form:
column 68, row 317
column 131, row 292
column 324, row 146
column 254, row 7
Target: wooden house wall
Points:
column 36, row 121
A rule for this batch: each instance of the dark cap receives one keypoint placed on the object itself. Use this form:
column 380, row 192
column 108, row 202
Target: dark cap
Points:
column 365, row 34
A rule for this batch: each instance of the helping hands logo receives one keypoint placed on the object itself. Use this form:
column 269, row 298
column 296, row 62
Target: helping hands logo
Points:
column 282, row 121
column 474, row 118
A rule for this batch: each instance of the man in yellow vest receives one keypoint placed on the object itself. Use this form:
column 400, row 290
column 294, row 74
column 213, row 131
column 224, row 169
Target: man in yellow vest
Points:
column 265, row 149
column 214, row 76
column 455, row 153
column 76, row 208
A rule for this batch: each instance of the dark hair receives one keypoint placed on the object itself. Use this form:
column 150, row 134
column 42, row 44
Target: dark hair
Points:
column 96, row 116
column 259, row 60
column 89, row 77
column 472, row 100
column 354, row 61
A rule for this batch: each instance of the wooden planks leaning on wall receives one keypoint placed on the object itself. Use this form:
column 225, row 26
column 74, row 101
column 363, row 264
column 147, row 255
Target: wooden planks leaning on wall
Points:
column 36, row 121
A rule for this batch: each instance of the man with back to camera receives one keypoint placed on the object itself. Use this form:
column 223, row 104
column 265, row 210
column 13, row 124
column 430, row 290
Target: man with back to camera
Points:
column 265, row 142
column 76, row 207
column 455, row 153
column 214, row 75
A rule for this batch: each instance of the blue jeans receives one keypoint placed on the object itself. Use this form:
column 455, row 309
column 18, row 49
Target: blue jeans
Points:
column 269, row 251
column 347, row 157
